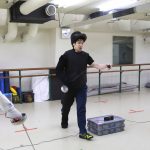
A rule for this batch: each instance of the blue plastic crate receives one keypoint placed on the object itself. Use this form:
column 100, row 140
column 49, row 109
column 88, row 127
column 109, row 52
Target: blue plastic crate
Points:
column 107, row 131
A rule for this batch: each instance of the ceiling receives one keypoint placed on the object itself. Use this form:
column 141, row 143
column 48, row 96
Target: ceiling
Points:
column 77, row 16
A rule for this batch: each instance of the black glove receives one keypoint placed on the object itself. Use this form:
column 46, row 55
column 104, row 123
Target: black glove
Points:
column 108, row 66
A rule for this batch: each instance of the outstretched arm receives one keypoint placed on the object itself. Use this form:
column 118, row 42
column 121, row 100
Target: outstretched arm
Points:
column 100, row 66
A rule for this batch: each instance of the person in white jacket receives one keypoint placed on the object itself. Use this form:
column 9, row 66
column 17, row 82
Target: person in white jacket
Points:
column 15, row 116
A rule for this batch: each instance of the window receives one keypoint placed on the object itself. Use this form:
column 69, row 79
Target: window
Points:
column 122, row 50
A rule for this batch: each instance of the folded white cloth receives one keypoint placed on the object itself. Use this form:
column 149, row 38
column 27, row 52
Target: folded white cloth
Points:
column 40, row 87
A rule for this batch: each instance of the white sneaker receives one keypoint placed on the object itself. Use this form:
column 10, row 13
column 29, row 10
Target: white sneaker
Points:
column 17, row 121
column 15, row 116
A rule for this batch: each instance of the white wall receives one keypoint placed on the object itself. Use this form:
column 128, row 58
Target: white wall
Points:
column 52, row 47
column 99, row 46
column 142, row 50
column 61, row 45
column 45, row 49
column 37, row 52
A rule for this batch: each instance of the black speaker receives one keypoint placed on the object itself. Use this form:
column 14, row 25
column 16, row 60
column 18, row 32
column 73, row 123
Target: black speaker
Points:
column 55, row 86
column 108, row 118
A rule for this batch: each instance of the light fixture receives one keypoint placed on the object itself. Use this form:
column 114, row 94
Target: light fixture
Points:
column 115, row 19
column 116, row 4
column 111, row 11
column 66, row 3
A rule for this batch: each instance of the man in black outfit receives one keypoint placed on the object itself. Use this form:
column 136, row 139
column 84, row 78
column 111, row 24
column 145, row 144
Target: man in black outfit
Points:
column 71, row 70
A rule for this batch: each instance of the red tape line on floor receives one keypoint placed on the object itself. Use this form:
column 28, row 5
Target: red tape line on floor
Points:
column 135, row 111
column 2, row 114
column 26, row 129
column 101, row 101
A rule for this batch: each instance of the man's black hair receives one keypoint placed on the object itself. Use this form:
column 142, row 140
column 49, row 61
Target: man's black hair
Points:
column 77, row 35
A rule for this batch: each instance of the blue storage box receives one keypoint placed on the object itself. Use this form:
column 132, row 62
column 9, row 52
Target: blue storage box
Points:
column 9, row 96
column 6, row 82
column 2, row 88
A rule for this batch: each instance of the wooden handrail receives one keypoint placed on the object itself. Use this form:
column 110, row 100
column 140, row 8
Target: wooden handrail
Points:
column 145, row 69
column 24, row 76
column 53, row 74
column 130, row 65
column 47, row 68
column 38, row 75
column 26, row 69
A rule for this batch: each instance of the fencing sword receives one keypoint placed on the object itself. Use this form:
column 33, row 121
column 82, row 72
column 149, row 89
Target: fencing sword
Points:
column 65, row 89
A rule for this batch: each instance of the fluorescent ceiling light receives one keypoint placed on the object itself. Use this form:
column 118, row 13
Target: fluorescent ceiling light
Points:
column 66, row 3
column 116, row 4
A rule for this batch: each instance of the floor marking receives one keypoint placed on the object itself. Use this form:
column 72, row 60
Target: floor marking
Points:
column 101, row 101
column 135, row 111
column 26, row 129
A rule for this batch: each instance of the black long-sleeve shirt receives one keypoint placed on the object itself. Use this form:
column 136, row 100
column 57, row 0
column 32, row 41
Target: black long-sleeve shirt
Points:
column 72, row 66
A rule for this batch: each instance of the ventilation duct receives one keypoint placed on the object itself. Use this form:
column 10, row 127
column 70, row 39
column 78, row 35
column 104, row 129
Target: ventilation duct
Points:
column 41, row 15
column 31, row 5
column 117, row 13
column 32, row 32
column 12, row 32
column 50, row 10
column 97, row 14
column 124, row 12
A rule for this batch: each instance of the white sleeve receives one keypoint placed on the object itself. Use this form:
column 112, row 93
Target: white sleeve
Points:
column 5, row 102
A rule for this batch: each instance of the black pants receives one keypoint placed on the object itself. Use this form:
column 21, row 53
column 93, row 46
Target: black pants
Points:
column 67, row 101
